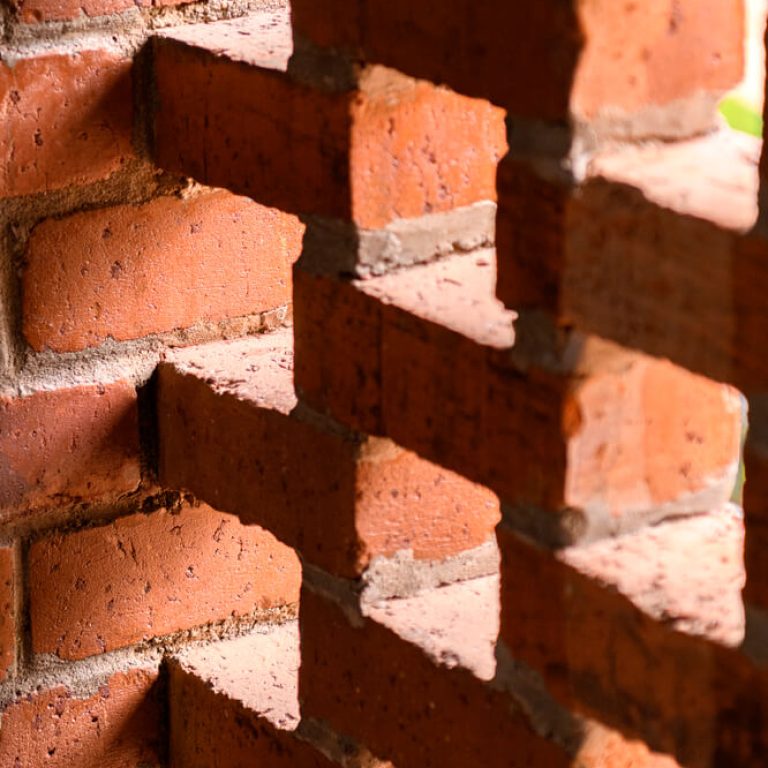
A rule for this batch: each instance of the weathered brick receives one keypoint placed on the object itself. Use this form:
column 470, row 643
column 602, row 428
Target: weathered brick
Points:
column 621, row 254
column 236, row 703
column 591, row 60
column 130, row 271
column 36, row 11
column 142, row 576
column 67, row 120
column 370, row 679
column 231, row 432
column 68, row 445
column 428, row 357
column 634, row 631
column 118, row 726
column 379, row 148
column 7, row 611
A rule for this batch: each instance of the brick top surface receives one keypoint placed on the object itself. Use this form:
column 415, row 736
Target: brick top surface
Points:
column 262, row 39
column 258, row 369
column 456, row 625
column 259, row 670
column 456, row 292
column 686, row 572
column 714, row 178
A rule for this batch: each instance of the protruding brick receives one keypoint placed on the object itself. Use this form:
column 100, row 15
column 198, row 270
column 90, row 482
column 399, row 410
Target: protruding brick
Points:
column 621, row 254
column 633, row 631
column 67, row 119
column 117, row 726
column 414, row 678
column 235, row 704
column 7, row 611
column 369, row 148
column 143, row 576
column 619, row 65
column 68, row 445
column 231, row 432
column 428, row 357
column 130, row 271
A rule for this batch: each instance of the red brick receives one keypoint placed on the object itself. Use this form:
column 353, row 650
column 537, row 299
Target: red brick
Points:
column 367, row 681
column 142, row 576
column 130, row 271
column 68, row 120
column 35, row 11
column 589, row 57
column 595, row 427
column 230, row 431
column 7, row 612
column 119, row 726
column 620, row 255
column 385, row 147
column 235, row 704
column 68, row 445
column 615, row 628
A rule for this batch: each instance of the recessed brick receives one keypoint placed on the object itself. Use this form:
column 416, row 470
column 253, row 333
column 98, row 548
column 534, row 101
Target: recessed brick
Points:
column 130, row 271
column 143, row 576
column 67, row 120
column 118, row 726
column 68, row 445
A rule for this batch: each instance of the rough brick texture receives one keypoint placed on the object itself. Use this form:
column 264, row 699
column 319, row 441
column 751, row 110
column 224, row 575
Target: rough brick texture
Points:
column 36, row 11
column 117, row 726
column 143, row 576
column 390, row 148
column 68, row 445
column 7, row 611
column 231, row 433
column 67, row 120
column 620, row 254
column 402, row 704
column 427, row 357
column 127, row 272
column 590, row 58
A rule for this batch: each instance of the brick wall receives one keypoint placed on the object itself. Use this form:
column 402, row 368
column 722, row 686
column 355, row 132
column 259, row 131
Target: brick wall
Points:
column 372, row 386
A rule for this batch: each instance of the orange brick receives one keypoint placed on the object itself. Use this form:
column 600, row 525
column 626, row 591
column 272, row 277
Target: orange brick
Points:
column 127, row 272
column 118, row 726
column 380, row 148
column 591, row 59
column 339, row 497
column 67, row 120
column 7, row 612
column 428, row 357
column 36, row 11
column 143, row 576
column 619, row 254
column 68, row 445
column 386, row 692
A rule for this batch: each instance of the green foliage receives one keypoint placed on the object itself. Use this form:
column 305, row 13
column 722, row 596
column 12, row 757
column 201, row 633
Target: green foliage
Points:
column 742, row 116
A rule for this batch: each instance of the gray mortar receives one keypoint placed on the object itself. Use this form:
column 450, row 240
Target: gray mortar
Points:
column 334, row 246
column 404, row 576
column 82, row 678
column 570, row 526
column 338, row 749
column 134, row 360
column 343, row 592
column 125, row 32
column 547, row 717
